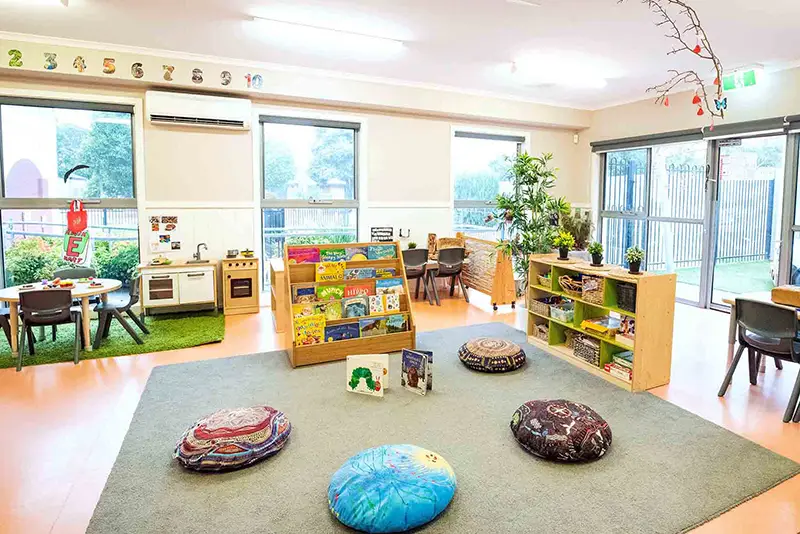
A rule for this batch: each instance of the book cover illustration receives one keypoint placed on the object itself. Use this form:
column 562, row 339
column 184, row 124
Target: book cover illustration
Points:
column 385, row 272
column 358, row 290
column 331, row 254
column 341, row 332
column 376, row 306
column 304, row 255
column 356, row 254
column 360, row 273
column 332, row 310
column 302, row 293
column 308, row 308
column 391, row 302
column 373, row 327
column 330, row 271
column 309, row 330
column 325, row 293
column 381, row 252
column 389, row 285
column 396, row 323
column 414, row 371
column 355, row 307
column 429, row 354
column 367, row 374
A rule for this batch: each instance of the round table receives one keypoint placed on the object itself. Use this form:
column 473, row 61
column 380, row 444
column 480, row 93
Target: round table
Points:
column 81, row 291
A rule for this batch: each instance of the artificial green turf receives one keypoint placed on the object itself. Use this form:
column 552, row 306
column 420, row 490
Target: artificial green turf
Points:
column 167, row 332
column 737, row 278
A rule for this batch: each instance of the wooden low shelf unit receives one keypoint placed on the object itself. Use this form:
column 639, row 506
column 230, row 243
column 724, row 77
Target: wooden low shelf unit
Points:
column 654, row 318
column 304, row 273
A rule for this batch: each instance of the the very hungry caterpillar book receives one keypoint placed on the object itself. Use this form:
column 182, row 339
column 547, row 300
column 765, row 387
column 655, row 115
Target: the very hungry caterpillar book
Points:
column 368, row 374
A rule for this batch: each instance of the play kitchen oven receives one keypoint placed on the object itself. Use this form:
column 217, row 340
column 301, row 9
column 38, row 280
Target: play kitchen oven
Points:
column 240, row 279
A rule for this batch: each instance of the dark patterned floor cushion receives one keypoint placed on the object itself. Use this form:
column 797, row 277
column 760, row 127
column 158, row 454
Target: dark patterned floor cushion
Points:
column 393, row 488
column 561, row 430
column 491, row 355
column 231, row 439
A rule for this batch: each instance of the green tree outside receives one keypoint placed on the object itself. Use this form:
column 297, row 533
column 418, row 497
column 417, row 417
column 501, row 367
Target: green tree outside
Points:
column 333, row 159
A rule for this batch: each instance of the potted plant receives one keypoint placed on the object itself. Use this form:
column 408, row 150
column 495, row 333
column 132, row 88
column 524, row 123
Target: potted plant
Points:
column 634, row 257
column 564, row 243
column 579, row 224
column 596, row 250
column 411, row 245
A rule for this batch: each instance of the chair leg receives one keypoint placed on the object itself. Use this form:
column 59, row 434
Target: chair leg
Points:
column 753, row 361
column 55, row 331
column 78, row 330
column 416, row 292
column 127, row 327
column 790, row 409
column 31, row 342
column 107, row 328
column 104, row 318
column 778, row 364
column 729, row 375
column 463, row 288
column 138, row 321
column 21, row 347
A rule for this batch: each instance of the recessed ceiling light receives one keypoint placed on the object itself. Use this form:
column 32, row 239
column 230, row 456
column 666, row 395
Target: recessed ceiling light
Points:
column 562, row 68
column 527, row 3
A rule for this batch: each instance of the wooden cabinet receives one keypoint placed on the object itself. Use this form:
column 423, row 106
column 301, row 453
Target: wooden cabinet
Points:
column 196, row 287
column 160, row 289
column 177, row 285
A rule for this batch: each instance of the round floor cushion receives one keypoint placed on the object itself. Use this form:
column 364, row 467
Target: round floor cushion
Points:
column 561, row 430
column 491, row 355
column 393, row 488
column 232, row 439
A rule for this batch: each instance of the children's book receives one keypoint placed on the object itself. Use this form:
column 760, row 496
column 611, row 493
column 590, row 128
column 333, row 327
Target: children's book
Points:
column 625, row 359
column 302, row 293
column 330, row 271
column 414, row 371
column 357, row 290
column 333, row 310
column 389, row 285
column 396, row 323
column 308, row 308
column 331, row 254
column 325, row 293
column 372, row 327
column 356, row 254
column 376, row 305
column 368, row 374
column 381, row 252
column 355, row 307
column 429, row 354
column 391, row 302
column 341, row 332
column 309, row 330
column 627, row 331
column 304, row 255
column 384, row 272
column 358, row 274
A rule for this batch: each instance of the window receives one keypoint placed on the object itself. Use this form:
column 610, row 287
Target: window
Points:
column 481, row 164
column 310, row 183
column 53, row 152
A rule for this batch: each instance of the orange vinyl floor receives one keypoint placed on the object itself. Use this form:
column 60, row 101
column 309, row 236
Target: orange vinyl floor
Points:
column 63, row 425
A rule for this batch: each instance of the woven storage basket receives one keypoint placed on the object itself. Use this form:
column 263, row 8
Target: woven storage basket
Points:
column 571, row 286
column 543, row 332
column 569, row 336
column 541, row 306
column 593, row 289
column 544, row 281
column 587, row 349
column 626, row 296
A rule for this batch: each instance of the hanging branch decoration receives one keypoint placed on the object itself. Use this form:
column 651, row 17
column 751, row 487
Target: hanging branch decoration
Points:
column 701, row 48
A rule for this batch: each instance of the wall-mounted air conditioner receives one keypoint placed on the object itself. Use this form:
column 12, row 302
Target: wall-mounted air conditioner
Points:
column 198, row 110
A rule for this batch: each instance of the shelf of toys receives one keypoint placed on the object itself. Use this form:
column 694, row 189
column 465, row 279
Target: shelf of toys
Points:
column 347, row 299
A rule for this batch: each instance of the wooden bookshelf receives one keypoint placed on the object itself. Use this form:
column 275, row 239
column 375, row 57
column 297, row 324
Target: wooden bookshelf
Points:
column 305, row 273
column 654, row 315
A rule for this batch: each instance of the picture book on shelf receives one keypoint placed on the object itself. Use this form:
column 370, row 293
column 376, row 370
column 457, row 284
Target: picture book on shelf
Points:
column 376, row 306
column 396, row 323
column 332, row 310
column 389, row 285
column 341, row 332
column 384, row 272
column 391, row 302
column 625, row 359
column 367, row 374
column 358, row 274
column 355, row 307
column 308, row 308
column 414, row 371
column 303, row 255
column 627, row 331
column 309, row 330
column 381, row 252
column 303, row 293
column 330, row 292
column 373, row 327
column 618, row 371
column 331, row 271
column 356, row 254
column 331, row 254
column 358, row 290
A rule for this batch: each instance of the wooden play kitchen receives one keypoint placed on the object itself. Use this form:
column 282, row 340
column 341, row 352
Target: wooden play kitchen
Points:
column 613, row 324
column 178, row 285
column 303, row 274
column 240, row 280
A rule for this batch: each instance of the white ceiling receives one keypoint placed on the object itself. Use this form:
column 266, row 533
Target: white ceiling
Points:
column 464, row 44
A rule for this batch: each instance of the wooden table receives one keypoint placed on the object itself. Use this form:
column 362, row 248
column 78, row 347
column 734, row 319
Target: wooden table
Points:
column 763, row 296
column 81, row 291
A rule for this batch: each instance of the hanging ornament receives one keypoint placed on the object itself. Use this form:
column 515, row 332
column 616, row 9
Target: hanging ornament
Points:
column 696, row 100
column 711, row 128
column 716, row 80
column 700, row 112
column 76, row 238
column 697, row 49
column 721, row 104
column 666, row 102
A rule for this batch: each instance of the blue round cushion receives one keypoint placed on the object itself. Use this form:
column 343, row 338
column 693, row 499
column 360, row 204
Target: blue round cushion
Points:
column 393, row 488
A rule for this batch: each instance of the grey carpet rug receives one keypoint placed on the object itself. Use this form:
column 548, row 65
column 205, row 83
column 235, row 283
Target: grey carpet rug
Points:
column 666, row 472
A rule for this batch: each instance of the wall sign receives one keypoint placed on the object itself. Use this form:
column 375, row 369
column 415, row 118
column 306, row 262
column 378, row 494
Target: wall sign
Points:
column 50, row 62
column 16, row 58
column 109, row 66
column 225, row 77
column 382, row 234
column 197, row 76
column 168, row 70
column 137, row 71
column 79, row 63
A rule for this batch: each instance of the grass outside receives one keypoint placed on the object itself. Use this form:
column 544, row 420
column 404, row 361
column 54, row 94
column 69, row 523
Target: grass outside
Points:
column 167, row 332
column 736, row 278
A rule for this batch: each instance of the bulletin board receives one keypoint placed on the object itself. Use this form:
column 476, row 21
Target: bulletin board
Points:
column 165, row 233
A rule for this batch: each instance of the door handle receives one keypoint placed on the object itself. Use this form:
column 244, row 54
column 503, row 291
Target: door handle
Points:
column 196, row 274
column 160, row 277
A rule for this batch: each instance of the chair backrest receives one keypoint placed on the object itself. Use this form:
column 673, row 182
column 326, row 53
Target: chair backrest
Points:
column 74, row 273
column 46, row 306
column 133, row 291
column 766, row 319
column 450, row 261
column 415, row 257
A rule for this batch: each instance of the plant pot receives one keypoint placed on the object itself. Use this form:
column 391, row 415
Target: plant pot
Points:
column 563, row 253
column 597, row 260
column 634, row 267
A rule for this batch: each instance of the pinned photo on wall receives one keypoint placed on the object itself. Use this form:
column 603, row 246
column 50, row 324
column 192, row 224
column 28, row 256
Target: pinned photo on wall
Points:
column 16, row 58
column 109, row 65
column 155, row 227
column 164, row 236
column 225, row 77
column 50, row 61
column 137, row 70
column 79, row 64
column 164, row 239
column 197, row 76
column 176, row 245
column 155, row 219
column 168, row 70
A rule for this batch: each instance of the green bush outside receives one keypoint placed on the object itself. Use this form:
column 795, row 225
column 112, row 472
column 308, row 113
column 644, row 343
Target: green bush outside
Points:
column 116, row 260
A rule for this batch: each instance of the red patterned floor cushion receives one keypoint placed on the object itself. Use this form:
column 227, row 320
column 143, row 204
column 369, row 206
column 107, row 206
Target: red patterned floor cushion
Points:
column 561, row 430
column 232, row 439
column 491, row 355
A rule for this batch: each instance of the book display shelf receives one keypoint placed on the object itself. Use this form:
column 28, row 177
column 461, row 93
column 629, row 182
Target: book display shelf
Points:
column 613, row 324
column 376, row 331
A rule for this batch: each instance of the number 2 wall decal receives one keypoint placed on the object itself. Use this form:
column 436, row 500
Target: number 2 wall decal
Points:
column 16, row 58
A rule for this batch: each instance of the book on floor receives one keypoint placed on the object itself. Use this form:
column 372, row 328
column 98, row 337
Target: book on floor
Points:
column 429, row 354
column 367, row 374
column 341, row 332
column 414, row 371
